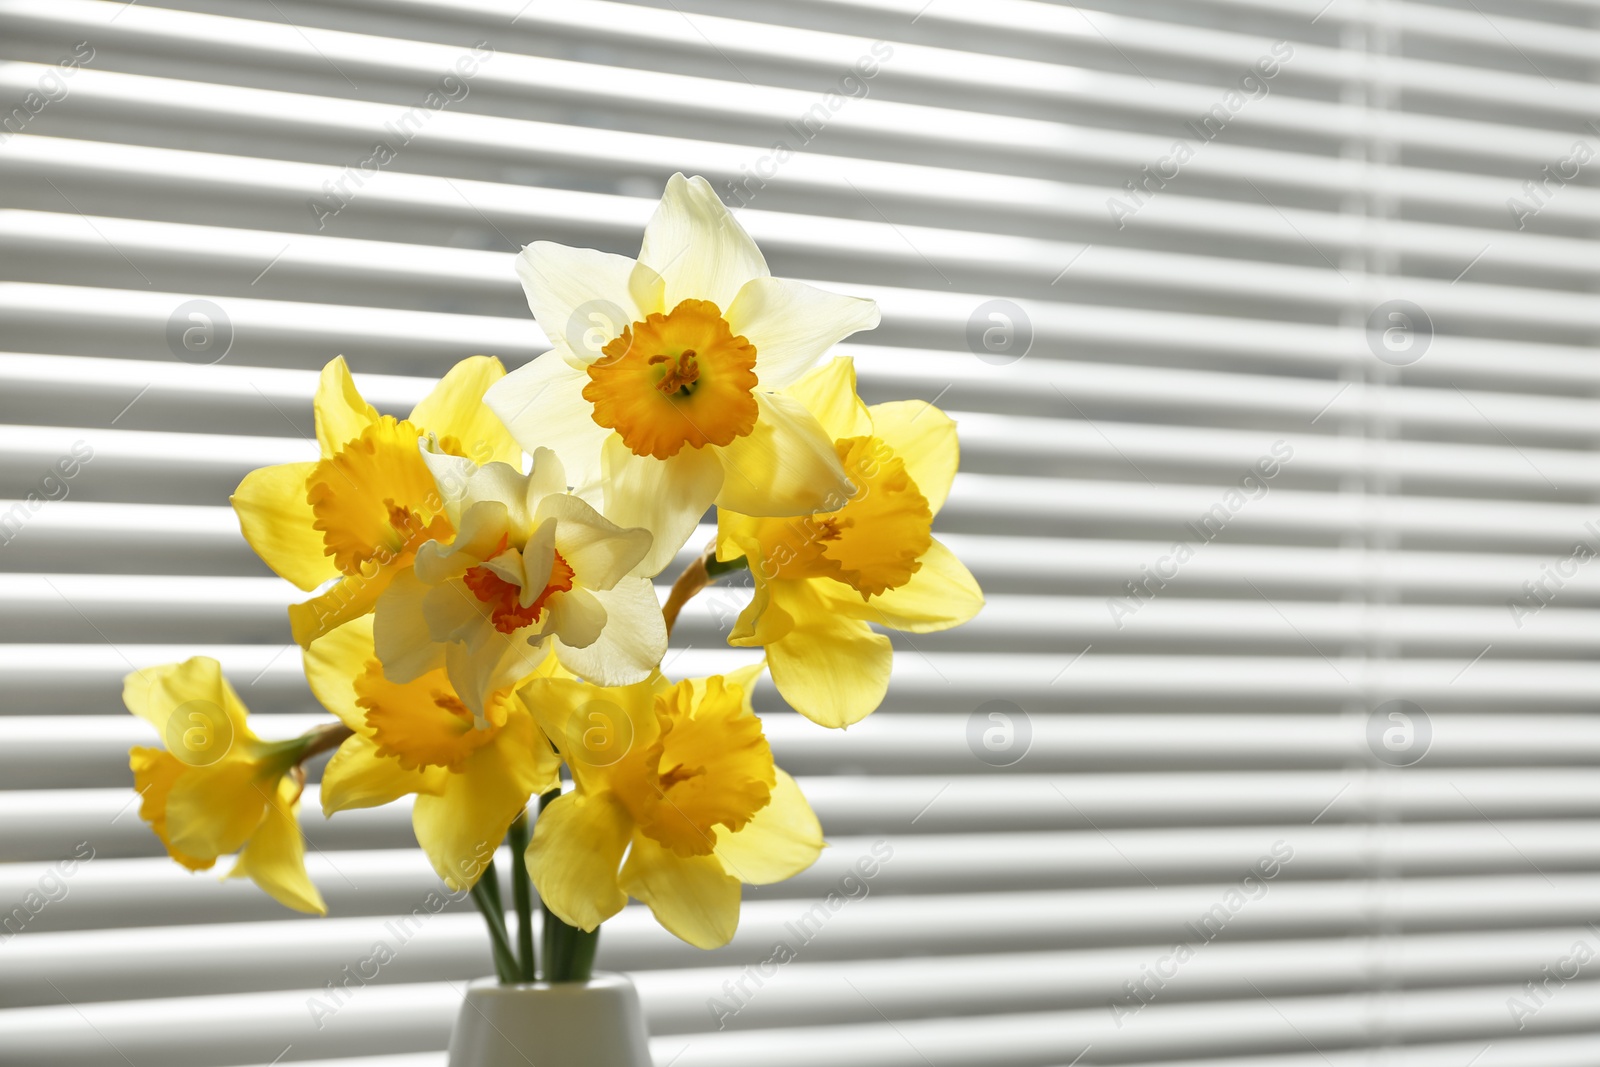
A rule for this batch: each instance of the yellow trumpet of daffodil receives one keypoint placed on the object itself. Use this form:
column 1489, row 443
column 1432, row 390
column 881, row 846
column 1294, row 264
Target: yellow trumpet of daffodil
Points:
column 821, row 579
column 418, row 738
column 217, row 788
column 658, row 394
column 532, row 570
column 676, row 803
column 360, row 512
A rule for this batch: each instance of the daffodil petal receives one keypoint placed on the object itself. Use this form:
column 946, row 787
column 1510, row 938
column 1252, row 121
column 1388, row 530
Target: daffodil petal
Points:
column 341, row 412
column 533, row 566
column 925, row 440
column 276, row 519
column 480, row 530
column 542, row 404
column 197, row 691
column 455, row 409
column 697, row 246
column 787, row 465
column 350, row 598
column 649, row 290
column 400, row 633
column 547, row 476
column 594, row 729
column 357, row 777
column 831, row 668
column 332, row 666
column 577, row 847
column 793, row 325
column 829, row 393
column 692, row 896
column 577, row 619
column 451, row 476
column 499, row 661
column 761, row 622
column 940, row 595
column 214, row 809
column 552, row 701
column 501, row 486
column 461, row 827
column 599, row 551
column 783, row 839
column 737, row 535
column 668, row 497
column 579, row 296
column 154, row 772
column 453, row 613
column 632, row 643
column 745, row 679
column 275, row 858
column 143, row 695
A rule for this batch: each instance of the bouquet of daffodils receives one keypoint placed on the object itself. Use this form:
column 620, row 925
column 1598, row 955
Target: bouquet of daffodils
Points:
column 484, row 628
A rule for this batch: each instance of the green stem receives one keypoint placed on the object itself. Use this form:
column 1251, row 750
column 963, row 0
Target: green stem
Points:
column 491, row 888
column 716, row 568
column 568, row 951
column 522, row 894
column 581, row 953
column 486, row 894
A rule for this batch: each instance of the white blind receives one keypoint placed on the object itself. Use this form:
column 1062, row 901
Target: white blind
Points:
column 1227, row 509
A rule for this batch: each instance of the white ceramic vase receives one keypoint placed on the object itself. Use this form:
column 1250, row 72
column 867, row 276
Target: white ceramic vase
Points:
column 597, row 1023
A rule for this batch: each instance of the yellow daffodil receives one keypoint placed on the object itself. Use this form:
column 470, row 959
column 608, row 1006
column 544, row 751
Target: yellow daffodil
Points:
column 360, row 512
column 419, row 738
column 217, row 788
column 659, row 392
column 871, row 558
column 532, row 570
column 677, row 802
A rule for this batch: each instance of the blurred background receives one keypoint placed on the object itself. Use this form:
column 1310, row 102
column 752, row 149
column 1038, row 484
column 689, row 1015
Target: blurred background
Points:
column 1268, row 325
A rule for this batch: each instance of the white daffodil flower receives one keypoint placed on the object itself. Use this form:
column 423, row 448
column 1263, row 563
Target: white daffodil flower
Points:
column 660, row 395
column 532, row 570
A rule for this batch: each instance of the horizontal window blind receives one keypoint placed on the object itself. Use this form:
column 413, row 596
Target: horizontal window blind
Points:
column 1269, row 330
